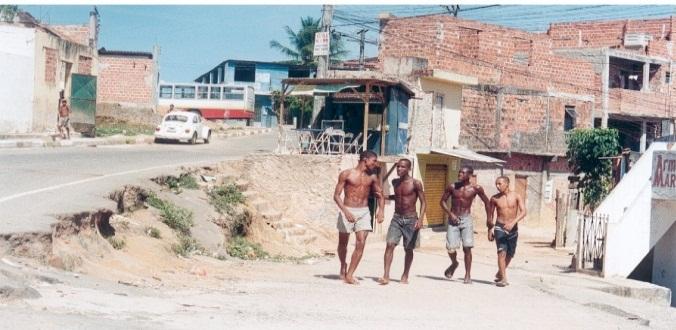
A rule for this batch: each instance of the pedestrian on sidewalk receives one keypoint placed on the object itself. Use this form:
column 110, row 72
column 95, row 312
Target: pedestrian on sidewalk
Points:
column 64, row 119
column 460, row 231
column 405, row 223
column 510, row 210
column 354, row 216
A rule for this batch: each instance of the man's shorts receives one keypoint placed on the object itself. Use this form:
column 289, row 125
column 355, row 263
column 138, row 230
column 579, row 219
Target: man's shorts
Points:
column 403, row 227
column 63, row 121
column 506, row 241
column 362, row 217
column 461, row 234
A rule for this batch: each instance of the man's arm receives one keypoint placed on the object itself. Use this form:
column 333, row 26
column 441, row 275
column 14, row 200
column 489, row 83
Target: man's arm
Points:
column 423, row 202
column 491, row 211
column 447, row 193
column 487, row 206
column 342, row 177
column 378, row 189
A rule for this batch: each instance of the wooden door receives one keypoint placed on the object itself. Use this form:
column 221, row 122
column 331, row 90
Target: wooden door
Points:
column 521, row 186
column 435, row 184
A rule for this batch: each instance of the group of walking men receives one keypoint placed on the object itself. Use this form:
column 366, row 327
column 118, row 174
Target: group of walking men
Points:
column 358, row 183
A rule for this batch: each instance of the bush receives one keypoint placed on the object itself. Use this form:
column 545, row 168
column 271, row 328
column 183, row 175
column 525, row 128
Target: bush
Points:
column 117, row 243
column 153, row 232
column 177, row 218
column 223, row 198
column 185, row 246
column 585, row 147
column 239, row 247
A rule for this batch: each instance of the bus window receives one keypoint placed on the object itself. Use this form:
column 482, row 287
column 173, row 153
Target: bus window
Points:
column 215, row 93
column 233, row 94
column 184, row 92
column 165, row 91
column 202, row 92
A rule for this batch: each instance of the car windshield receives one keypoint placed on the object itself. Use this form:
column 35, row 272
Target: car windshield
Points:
column 180, row 118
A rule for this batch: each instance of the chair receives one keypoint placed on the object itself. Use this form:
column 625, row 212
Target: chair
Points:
column 354, row 144
column 305, row 141
column 336, row 141
column 322, row 141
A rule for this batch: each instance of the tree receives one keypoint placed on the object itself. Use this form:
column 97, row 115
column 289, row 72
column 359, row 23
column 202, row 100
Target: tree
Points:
column 302, row 43
column 585, row 148
column 294, row 106
column 7, row 12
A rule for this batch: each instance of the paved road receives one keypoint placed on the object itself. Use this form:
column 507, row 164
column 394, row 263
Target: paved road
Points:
column 38, row 184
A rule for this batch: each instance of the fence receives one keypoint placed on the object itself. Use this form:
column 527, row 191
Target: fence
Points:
column 592, row 234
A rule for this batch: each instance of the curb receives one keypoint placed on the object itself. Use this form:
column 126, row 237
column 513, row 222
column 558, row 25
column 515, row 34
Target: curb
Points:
column 115, row 140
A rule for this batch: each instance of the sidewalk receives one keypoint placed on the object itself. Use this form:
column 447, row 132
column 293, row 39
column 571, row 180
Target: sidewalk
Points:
column 51, row 140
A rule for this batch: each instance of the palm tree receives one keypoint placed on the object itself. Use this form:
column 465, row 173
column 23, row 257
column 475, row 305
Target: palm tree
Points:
column 302, row 42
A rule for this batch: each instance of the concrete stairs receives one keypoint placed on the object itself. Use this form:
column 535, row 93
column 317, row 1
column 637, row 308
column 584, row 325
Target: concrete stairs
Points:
column 294, row 233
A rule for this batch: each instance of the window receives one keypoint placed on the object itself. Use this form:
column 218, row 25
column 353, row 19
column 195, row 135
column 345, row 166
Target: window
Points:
column 438, row 101
column 202, row 92
column 184, row 92
column 215, row 93
column 299, row 73
column 165, row 91
column 667, row 77
column 569, row 118
column 181, row 118
column 245, row 73
column 233, row 93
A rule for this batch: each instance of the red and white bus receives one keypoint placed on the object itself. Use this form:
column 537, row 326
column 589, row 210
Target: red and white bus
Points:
column 212, row 101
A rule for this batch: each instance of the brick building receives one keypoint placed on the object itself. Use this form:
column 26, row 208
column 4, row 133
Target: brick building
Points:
column 128, row 84
column 513, row 95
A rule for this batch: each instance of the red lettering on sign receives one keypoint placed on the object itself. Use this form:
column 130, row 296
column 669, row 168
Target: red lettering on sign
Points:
column 657, row 176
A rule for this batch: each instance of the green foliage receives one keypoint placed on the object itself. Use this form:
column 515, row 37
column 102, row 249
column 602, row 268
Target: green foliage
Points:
column 7, row 12
column 176, row 184
column 177, row 218
column 153, row 232
column 109, row 129
column 585, row 147
column 223, row 198
column 117, row 243
column 239, row 247
column 303, row 41
column 185, row 245
column 294, row 106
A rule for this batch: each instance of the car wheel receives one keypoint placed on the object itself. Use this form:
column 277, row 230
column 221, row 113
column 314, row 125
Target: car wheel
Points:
column 158, row 140
column 193, row 140
column 206, row 140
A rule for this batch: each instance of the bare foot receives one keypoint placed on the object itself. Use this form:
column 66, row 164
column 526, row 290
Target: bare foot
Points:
column 343, row 271
column 450, row 270
column 468, row 280
column 384, row 281
column 404, row 280
column 351, row 280
column 502, row 283
column 498, row 278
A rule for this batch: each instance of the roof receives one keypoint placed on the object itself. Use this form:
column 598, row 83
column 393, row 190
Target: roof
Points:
column 104, row 51
column 346, row 81
column 247, row 62
column 466, row 154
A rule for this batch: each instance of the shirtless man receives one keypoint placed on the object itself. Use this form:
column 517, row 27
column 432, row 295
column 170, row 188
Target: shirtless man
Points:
column 405, row 221
column 460, row 225
column 354, row 216
column 510, row 210
column 64, row 118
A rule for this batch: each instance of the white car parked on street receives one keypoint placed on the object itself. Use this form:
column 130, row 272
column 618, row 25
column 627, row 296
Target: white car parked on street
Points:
column 182, row 126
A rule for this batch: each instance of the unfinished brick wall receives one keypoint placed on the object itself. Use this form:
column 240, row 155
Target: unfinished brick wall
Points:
column 75, row 33
column 51, row 60
column 127, row 80
column 84, row 65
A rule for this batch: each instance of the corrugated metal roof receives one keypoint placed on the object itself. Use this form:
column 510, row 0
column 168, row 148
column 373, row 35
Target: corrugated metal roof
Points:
column 467, row 154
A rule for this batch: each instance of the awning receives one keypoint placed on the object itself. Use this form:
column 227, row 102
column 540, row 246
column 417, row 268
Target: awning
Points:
column 467, row 154
column 226, row 114
column 310, row 90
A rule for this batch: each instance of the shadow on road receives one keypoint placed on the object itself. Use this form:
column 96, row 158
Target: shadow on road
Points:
column 439, row 278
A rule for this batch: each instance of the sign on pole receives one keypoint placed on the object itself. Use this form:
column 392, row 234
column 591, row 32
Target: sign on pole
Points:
column 321, row 44
column 664, row 175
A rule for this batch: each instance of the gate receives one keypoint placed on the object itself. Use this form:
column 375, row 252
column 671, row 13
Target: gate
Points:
column 591, row 242
column 83, row 104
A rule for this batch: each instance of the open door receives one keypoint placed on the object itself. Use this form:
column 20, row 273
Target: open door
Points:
column 83, row 104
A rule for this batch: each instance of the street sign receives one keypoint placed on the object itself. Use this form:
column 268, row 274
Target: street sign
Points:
column 321, row 44
column 664, row 175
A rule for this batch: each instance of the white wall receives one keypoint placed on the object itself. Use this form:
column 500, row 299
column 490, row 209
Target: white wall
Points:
column 451, row 110
column 17, row 53
column 636, row 222
column 664, row 262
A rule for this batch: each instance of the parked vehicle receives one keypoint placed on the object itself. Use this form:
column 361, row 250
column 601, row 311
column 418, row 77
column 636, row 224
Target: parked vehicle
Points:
column 182, row 126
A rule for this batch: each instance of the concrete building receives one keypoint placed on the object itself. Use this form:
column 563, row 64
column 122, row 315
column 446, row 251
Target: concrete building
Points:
column 264, row 77
column 513, row 95
column 39, row 63
column 128, row 86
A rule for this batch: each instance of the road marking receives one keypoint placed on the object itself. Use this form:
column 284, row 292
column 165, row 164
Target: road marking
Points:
column 105, row 176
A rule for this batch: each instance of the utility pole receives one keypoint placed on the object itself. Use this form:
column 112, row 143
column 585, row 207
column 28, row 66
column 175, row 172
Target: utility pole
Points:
column 323, row 61
column 362, row 40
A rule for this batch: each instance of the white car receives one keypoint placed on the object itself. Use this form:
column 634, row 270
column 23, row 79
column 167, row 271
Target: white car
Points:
column 182, row 126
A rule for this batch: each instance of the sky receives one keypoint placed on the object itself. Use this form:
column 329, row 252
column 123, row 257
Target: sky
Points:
column 195, row 38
